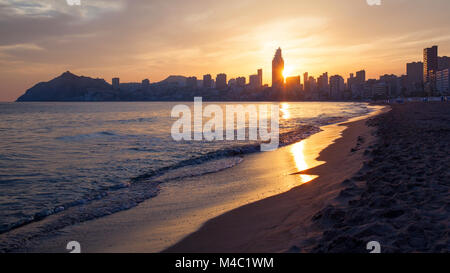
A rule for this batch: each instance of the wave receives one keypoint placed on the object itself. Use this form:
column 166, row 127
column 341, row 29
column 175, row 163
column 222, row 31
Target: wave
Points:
column 81, row 137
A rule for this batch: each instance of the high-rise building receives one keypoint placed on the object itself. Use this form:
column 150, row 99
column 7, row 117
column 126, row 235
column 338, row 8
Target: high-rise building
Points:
column 293, row 83
column 145, row 83
column 443, row 82
column 240, row 81
column 221, row 81
column 260, row 77
column 430, row 63
column 414, row 72
column 360, row 76
column 254, row 81
column 306, row 82
column 277, row 70
column 116, row 83
column 207, row 81
column 322, row 83
column 191, row 82
column 337, row 86
column 443, row 63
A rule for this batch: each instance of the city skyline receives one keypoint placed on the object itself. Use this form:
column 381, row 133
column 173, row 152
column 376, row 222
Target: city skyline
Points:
column 101, row 40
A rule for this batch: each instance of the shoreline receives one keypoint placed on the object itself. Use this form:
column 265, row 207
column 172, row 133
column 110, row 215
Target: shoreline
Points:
column 94, row 241
column 278, row 223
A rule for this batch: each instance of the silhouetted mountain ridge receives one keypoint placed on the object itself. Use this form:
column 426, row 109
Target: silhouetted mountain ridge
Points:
column 70, row 87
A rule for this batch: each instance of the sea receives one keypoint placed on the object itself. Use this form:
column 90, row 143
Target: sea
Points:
column 58, row 155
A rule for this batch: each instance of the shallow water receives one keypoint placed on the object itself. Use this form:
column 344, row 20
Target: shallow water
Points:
column 56, row 155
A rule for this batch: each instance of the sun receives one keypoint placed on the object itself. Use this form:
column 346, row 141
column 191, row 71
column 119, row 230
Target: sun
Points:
column 288, row 70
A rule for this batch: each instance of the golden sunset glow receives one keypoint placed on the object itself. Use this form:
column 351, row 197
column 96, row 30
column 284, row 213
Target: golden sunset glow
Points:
column 135, row 40
column 299, row 155
column 288, row 71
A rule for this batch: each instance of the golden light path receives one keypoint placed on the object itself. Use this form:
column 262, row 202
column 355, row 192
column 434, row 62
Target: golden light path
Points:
column 298, row 152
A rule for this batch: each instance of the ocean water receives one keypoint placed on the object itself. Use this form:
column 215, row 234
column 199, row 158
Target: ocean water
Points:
column 59, row 155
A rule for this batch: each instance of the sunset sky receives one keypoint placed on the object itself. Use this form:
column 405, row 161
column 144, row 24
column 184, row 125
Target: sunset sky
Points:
column 153, row 39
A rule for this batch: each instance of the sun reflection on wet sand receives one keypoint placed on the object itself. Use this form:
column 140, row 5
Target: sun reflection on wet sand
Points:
column 298, row 151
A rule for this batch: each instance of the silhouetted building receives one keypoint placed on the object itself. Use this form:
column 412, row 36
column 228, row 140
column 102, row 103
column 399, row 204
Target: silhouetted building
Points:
column 260, row 77
column 207, row 81
column 191, row 82
column 322, row 85
column 414, row 72
column 240, row 81
column 430, row 63
column 221, row 81
column 254, row 81
column 306, row 82
column 350, row 81
column 116, row 83
column 361, row 76
column 443, row 63
column 277, row 70
column 232, row 83
column 293, row 83
column 337, row 86
column 145, row 83
column 443, row 82
column 393, row 85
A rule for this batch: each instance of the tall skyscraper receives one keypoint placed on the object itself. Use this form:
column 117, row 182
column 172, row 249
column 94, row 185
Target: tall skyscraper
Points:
column 337, row 87
column 430, row 63
column 207, row 81
column 116, row 83
column 221, row 81
column 260, row 78
column 306, row 81
column 277, row 70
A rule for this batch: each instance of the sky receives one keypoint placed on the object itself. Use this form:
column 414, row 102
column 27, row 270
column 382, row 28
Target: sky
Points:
column 153, row 39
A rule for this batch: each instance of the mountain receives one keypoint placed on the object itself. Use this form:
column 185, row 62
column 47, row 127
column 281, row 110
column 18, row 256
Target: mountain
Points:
column 177, row 80
column 70, row 87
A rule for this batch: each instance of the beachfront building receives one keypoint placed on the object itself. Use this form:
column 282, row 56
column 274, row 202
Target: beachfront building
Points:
column 207, row 81
column 277, row 70
column 293, row 83
column 443, row 82
column 145, row 83
column 241, row 81
column 260, row 77
column 221, row 81
column 430, row 63
column 254, row 81
column 191, row 82
column 115, row 83
column 337, row 87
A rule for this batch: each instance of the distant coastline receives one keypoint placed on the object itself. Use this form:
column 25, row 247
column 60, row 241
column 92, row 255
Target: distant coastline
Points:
column 69, row 87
